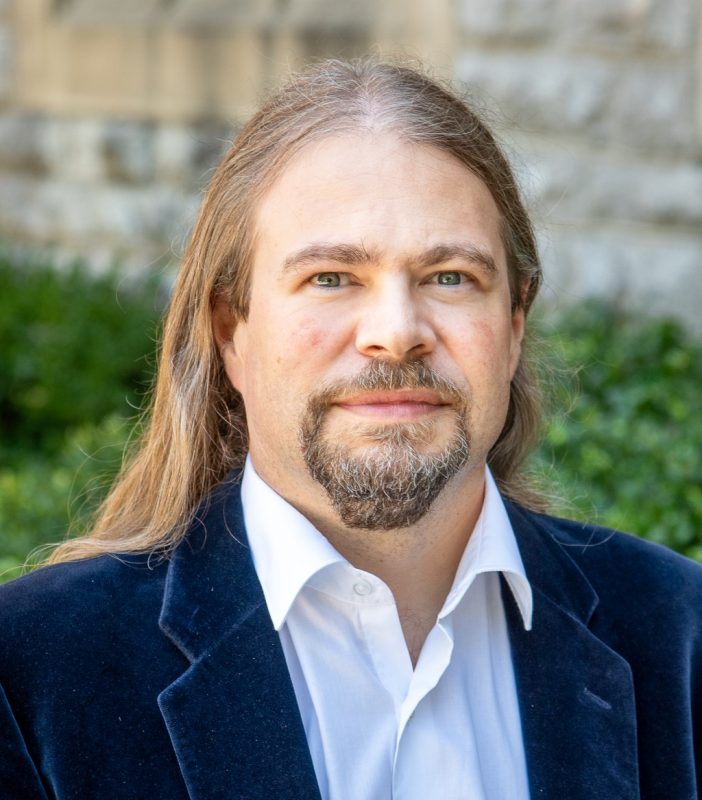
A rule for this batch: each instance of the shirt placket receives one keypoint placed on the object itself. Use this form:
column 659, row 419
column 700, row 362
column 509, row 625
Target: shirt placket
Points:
column 383, row 637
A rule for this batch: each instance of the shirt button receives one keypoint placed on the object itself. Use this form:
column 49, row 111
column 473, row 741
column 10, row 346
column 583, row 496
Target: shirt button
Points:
column 362, row 588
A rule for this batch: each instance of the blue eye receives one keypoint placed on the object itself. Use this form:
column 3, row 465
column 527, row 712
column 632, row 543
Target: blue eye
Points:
column 449, row 278
column 327, row 279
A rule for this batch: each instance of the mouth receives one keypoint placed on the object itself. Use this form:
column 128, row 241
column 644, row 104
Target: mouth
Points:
column 411, row 404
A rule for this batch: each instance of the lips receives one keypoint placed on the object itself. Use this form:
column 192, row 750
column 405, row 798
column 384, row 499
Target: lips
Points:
column 409, row 396
column 394, row 404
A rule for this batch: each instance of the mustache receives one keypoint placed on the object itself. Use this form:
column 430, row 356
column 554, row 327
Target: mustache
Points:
column 390, row 376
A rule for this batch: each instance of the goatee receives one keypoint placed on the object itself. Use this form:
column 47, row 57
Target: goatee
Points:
column 390, row 483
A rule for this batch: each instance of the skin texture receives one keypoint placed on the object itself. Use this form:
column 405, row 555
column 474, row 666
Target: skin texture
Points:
column 349, row 268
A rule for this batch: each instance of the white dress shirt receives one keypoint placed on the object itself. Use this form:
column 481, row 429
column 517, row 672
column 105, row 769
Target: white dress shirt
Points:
column 377, row 728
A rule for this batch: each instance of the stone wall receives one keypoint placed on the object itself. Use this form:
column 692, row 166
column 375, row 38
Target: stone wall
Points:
column 113, row 114
column 601, row 99
column 111, row 191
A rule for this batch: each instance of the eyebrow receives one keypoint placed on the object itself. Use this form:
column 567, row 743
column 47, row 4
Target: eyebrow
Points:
column 322, row 251
column 353, row 255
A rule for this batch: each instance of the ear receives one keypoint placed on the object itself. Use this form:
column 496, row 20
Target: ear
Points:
column 224, row 325
column 518, row 324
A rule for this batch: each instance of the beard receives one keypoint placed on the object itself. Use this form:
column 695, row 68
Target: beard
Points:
column 391, row 483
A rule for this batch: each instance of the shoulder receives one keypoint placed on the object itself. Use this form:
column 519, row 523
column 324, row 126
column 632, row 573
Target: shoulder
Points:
column 626, row 571
column 619, row 554
column 92, row 584
column 97, row 602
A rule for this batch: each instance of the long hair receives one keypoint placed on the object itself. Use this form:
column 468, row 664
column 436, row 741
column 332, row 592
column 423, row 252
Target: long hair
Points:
column 195, row 429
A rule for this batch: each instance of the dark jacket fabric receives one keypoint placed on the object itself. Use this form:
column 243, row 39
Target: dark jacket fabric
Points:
column 129, row 677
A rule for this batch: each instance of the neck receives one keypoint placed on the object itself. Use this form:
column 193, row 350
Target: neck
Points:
column 418, row 563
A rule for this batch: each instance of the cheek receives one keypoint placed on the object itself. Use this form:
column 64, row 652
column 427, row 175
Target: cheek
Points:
column 483, row 356
column 484, row 348
column 306, row 346
column 497, row 347
column 299, row 360
column 305, row 337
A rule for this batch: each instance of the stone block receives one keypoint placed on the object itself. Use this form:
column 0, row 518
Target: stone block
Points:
column 330, row 15
column 21, row 148
column 148, row 216
column 652, row 108
column 514, row 20
column 217, row 15
column 20, row 217
column 614, row 25
column 35, row 210
column 173, row 153
column 631, row 25
column 123, row 218
column 540, row 91
column 73, row 148
column 102, row 13
column 654, row 272
column 185, row 155
column 6, row 65
column 567, row 184
column 113, row 214
column 638, row 104
column 128, row 151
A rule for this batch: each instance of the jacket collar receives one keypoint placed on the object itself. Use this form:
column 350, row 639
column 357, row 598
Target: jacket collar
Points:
column 549, row 567
column 232, row 715
column 211, row 585
column 576, row 694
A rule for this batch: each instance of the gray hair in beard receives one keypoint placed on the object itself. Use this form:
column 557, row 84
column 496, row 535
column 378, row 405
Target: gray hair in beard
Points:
column 393, row 484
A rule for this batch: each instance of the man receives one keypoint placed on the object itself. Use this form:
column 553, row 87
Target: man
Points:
column 368, row 609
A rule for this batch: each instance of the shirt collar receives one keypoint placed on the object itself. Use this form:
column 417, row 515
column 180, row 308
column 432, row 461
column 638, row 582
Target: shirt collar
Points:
column 288, row 551
column 492, row 547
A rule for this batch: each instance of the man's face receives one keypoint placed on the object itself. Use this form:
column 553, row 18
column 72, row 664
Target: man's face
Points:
column 380, row 342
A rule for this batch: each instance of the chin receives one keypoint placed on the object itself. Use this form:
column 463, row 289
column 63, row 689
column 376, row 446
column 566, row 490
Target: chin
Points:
column 424, row 437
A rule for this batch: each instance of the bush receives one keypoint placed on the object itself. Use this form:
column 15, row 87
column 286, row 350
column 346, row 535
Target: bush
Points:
column 627, row 451
column 42, row 496
column 76, row 358
column 75, row 348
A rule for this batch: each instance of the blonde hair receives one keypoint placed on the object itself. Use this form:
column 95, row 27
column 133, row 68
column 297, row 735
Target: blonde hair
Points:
column 195, row 432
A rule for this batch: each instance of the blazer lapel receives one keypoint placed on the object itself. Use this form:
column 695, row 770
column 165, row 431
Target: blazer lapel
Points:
column 232, row 716
column 576, row 694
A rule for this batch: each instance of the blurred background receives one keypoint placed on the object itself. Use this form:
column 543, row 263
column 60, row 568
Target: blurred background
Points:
column 112, row 116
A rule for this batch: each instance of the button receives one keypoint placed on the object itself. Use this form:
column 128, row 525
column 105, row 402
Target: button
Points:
column 363, row 587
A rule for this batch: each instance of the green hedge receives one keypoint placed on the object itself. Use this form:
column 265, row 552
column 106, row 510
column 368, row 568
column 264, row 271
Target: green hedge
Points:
column 626, row 452
column 75, row 348
column 76, row 360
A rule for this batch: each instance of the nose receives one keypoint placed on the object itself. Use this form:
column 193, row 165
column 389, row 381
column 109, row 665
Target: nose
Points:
column 393, row 324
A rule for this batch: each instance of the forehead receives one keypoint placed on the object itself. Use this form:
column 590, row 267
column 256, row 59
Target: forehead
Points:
column 378, row 190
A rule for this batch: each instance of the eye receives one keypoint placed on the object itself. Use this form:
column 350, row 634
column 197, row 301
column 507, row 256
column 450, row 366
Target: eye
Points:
column 450, row 278
column 328, row 280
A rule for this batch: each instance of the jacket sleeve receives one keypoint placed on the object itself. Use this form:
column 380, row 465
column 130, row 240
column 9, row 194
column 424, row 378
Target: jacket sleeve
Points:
column 19, row 777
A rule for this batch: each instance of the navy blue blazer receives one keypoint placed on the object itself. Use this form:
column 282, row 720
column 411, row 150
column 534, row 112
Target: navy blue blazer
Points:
column 125, row 677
